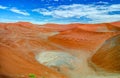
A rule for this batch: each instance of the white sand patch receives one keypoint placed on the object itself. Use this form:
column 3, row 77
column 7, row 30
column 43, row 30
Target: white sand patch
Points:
column 70, row 65
column 57, row 59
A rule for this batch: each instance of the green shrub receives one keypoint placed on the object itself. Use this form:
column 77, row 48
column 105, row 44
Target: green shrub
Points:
column 32, row 75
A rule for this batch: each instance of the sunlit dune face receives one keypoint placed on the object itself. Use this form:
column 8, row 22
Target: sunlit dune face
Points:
column 107, row 57
column 78, row 39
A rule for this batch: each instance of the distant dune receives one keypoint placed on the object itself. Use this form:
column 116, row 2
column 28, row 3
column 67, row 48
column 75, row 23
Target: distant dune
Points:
column 21, row 42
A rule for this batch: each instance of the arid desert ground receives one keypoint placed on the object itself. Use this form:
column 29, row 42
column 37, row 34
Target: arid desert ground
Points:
column 59, row 50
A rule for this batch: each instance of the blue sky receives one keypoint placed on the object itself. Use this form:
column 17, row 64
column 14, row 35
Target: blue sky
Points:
column 60, row 11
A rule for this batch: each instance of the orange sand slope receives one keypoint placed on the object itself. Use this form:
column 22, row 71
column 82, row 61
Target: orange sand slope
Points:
column 21, row 41
column 108, row 56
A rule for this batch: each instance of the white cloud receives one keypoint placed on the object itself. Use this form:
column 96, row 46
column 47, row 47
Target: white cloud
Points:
column 3, row 7
column 97, row 13
column 19, row 11
column 102, row 2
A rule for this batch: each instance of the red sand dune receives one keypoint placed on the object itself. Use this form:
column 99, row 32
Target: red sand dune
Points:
column 103, row 27
column 80, row 39
column 17, row 47
column 116, row 23
column 19, row 42
column 108, row 56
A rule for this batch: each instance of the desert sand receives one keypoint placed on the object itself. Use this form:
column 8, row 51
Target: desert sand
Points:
column 60, row 50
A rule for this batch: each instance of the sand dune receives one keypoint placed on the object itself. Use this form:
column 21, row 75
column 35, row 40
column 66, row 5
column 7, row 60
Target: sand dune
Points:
column 80, row 39
column 21, row 42
column 107, row 57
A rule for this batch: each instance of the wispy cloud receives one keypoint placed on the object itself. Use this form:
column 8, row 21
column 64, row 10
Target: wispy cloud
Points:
column 102, row 2
column 19, row 11
column 15, row 10
column 3, row 7
column 97, row 13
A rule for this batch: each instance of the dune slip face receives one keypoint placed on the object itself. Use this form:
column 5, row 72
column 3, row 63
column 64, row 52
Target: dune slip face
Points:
column 59, row 50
